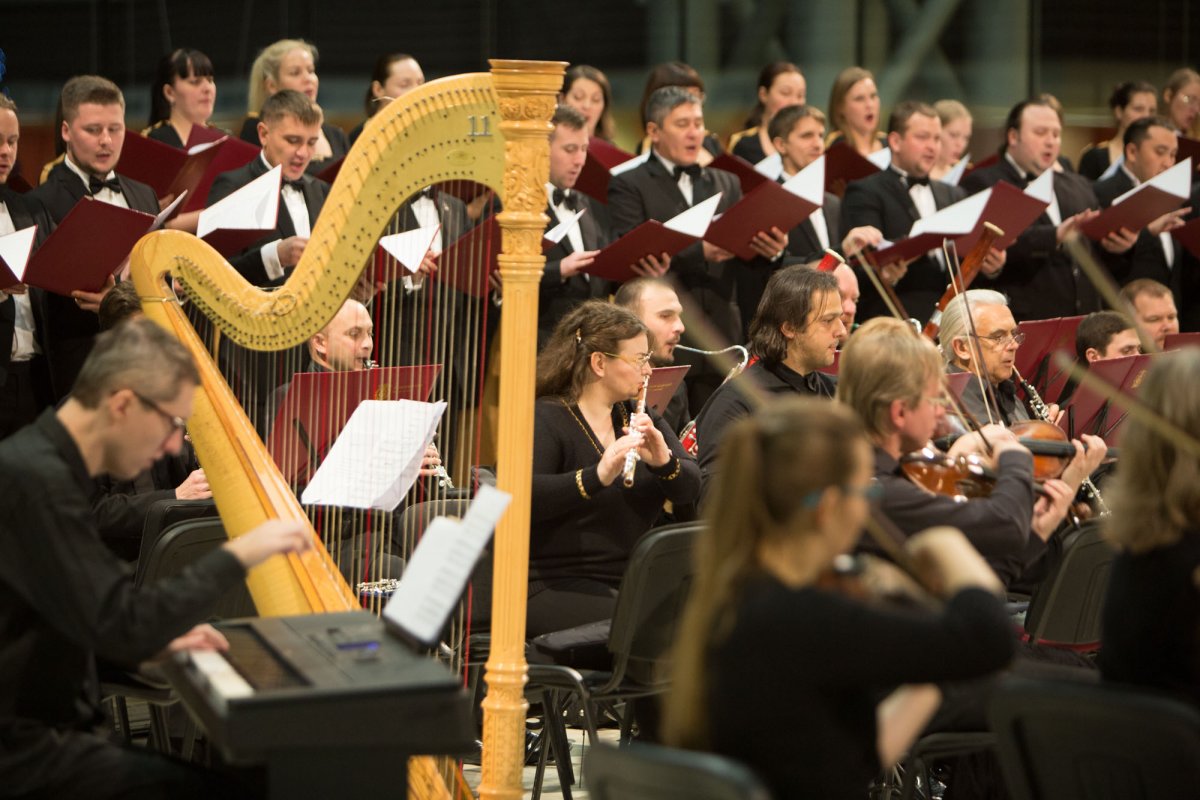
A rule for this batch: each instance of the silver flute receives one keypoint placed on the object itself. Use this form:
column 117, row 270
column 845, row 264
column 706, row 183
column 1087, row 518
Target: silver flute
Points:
column 631, row 457
column 1042, row 412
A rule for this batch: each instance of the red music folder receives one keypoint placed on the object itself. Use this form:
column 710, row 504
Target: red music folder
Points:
column 1189, row 236
column 329, row 173
column 746, row 174
column 203, row 134
column 1143, row 204
column 317, row 405
column 1003, row 205
column 1189, row 148
column 602, row 156
column 653, row 238
column 769, row 204
column 844, row 164
column 1093, row 413
column 1044, row 339
column 1178, row 341
column 171, row 171
column 663, row 383
column 467, row 263
column 231, row 153
column 90, row 244
column 994, row 158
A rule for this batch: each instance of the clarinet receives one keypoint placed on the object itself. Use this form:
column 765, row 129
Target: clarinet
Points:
column 1042, row 412
column 631, row 457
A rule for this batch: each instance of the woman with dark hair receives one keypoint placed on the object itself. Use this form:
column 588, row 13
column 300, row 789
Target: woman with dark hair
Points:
column 780, row 84
column 394, row 74
column 677, row 73
column 1150, row 630
column 291, row 64
column 584, row 520
column 587, row 90
column 854, row 111
column 182, row 97
column 815, row 690
column 1129, row 101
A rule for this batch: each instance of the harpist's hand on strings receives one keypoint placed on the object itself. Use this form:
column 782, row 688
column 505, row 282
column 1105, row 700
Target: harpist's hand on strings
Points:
column 271, row 538
column 653, row 449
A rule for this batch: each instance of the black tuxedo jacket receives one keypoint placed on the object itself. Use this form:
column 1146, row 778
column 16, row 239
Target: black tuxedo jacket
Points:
column 1039, row 277
column 249, row 262
column 67, row 331
column 882, row 200
column 556, row 297
column 24, row 211
column 650, row 192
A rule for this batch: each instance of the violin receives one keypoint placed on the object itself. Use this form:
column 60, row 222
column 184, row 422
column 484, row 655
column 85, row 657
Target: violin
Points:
column 961, row 478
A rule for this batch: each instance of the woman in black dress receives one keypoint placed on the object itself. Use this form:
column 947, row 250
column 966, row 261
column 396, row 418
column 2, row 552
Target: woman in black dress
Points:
column 780, row 84
column 814, row 689
column 584, row 520
column 182, row 98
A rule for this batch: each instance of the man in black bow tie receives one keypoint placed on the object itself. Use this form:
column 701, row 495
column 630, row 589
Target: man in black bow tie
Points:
column 93, row 129
column 894, row 199
column 289, row 128
column 564, row 283
column 669, row 182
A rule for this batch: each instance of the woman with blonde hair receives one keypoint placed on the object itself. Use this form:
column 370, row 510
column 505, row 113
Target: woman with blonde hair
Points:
column 1181, row 100
column 1150, row 634
column 956, row 136
column 291, row 64
column 776, row 670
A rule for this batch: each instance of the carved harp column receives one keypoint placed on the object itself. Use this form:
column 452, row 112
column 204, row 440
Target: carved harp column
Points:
column 526, row 92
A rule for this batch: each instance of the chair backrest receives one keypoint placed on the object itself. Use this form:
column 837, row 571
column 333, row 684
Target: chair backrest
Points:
column 1094, row 742
column 1067, row 606
column 650, row 772
column 650, row 602
column 162, row 514
column 184, row 543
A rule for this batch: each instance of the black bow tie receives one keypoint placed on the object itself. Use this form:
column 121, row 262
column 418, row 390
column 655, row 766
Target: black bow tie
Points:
column 693, row 171
column 297, row 185
column 566, row 198
column 912, row 181
column 96, row 185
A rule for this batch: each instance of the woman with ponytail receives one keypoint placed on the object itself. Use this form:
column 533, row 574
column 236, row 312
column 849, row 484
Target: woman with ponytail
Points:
column 815, row 690
column 585, row 521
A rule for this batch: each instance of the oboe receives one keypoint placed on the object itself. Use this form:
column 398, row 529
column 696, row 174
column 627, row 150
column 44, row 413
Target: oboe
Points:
column 631, row 457
column 1042, row 412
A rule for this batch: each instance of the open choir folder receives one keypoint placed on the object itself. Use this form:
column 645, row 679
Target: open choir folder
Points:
column 747, row 174
column 844, row 164
column 14, row 255
column 1003, row 205
column 1092, row 412
column 171, row 171
column 316, row 406
column 663, row 383
column 1036, row 358
column 467, row 263
column 601, row 158
column 653, row 238
column 1143, row 204
column 769, row 204
column 1189, row 236
column 237, row 221
column 90, row 244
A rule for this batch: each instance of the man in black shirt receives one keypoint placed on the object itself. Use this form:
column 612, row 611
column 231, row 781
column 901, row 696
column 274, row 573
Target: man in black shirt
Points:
column 795, row 333
column 65, row 600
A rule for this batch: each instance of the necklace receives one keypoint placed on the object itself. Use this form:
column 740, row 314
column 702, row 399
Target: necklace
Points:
column 588, row 431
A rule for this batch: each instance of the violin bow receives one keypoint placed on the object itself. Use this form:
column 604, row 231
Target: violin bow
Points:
column 956, row 280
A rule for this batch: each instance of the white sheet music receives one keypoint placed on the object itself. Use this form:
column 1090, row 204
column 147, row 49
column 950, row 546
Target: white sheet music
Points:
column 809, row 183
column 410, row 247
column 955, row 175
column 168, row 211
column 881, row 158
column 556, row 234
column 377, row 457
column 771, row 166
column 695, row 221
column 15, row 249
column 253, row 207
column 439, row 568
column 954, row 220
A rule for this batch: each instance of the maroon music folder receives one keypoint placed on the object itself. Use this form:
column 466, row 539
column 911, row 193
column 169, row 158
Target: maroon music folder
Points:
column 171, row 171
column 1141, row 206
column 1188, row 235
column 651, row 238
column 844, row 164
column 203, row 134
column 663, row 383
column 594, row 177
column 467, row 263
column 329, row 173
column 994, row 158
column 90, row 244
column 767, row 205
column 231, row 153
column 1178, row 341
column 1044, row 339
column 957, row 382
column 317, row 405
column 1189, row 148
column 1093, row 413
column 746, row 174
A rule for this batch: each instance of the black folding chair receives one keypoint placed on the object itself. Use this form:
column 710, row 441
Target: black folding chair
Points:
column 1065, row 610
column 1094, row 742
column 650, row 772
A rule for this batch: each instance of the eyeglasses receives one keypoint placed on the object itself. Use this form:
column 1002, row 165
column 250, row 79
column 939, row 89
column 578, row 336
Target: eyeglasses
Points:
column 1190, row 99
column 177, row 423
column 639, row 360
column 1002, row 338
column 872, row 492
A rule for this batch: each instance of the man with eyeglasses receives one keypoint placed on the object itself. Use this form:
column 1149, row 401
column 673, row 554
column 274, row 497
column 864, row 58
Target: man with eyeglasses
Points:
column 66, row 601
